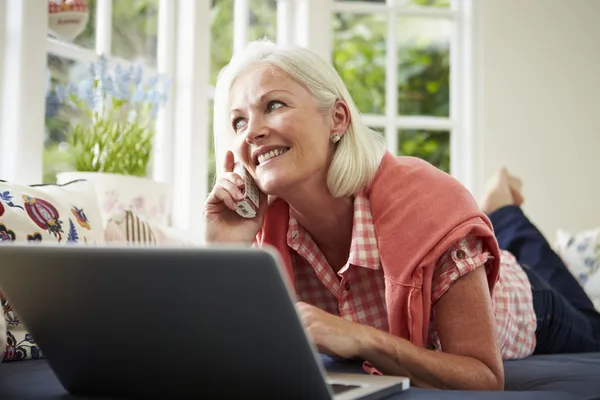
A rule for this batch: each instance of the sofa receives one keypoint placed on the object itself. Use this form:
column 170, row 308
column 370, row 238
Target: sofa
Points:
column 71, row 214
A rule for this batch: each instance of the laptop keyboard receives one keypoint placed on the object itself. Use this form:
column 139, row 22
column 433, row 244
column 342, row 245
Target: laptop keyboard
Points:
column 341, row 388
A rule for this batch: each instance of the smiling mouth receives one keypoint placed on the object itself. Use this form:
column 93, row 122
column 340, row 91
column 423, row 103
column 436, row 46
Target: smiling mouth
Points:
column 271, row 154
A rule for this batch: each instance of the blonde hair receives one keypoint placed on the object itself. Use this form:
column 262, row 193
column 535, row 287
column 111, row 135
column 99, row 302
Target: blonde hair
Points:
column 360, row 150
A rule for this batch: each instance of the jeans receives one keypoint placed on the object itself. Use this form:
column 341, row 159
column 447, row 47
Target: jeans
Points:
column 567, row 321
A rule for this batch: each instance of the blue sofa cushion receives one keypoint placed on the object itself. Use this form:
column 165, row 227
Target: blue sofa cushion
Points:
column 553, row 377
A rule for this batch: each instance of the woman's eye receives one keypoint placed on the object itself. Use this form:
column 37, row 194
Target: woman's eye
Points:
column 274, row 105
column 238, row 123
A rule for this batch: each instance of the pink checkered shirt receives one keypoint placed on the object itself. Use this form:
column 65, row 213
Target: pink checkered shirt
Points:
column 357, row 293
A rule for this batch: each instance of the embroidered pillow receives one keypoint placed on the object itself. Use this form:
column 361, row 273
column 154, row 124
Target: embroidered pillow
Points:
column 44, row 213
column 581, row 254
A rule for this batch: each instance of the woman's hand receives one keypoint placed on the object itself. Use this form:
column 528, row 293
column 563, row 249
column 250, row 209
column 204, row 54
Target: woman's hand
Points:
column 331, row 334
column 223, row 223
column 465, row 321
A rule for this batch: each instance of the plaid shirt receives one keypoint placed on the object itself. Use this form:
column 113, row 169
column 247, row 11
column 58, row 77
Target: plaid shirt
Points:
column 357, row 293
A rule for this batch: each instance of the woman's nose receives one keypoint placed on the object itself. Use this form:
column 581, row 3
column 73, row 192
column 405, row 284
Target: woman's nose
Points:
column 256, row 129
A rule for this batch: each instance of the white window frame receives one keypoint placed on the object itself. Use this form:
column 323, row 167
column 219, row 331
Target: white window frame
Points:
column 461, row 121
column 23, row 88
column 190, row 129
column 181, row 145
column 24, row 45
column 309, row 23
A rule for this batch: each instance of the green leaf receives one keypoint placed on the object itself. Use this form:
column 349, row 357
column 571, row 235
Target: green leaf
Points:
column 105, row 146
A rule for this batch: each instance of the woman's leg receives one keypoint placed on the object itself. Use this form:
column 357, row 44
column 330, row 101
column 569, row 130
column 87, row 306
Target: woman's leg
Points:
column 566, row 319
column 561, row 328
column 516, row 234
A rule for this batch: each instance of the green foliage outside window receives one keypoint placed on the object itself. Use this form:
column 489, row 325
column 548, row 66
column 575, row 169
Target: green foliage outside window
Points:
column 359, row 52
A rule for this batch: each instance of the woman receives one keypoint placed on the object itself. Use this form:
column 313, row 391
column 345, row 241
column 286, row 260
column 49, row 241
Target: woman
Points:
column 392, row 260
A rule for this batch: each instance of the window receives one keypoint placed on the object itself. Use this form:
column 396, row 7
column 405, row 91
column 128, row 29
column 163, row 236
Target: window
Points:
column 395, row 57
column 127, row 34
column 402, row 60
column 234, row 23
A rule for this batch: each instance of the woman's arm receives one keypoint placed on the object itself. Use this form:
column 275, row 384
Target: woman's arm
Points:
column 465, row 323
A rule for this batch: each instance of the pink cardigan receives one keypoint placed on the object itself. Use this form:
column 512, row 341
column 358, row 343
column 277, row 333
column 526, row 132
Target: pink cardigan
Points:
column 418, row 212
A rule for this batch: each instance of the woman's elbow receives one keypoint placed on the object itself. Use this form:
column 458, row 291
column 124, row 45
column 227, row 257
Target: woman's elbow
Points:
column 498, row 384
column 495, row 382
column 486, row 378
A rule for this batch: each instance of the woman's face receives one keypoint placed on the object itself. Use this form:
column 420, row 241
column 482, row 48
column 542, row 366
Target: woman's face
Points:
column 281, row 137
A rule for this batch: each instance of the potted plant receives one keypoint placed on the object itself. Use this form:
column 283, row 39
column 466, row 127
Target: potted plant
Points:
column 110, row 137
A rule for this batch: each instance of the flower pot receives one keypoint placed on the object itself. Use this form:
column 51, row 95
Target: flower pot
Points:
column 146, row 198
column 67, row 18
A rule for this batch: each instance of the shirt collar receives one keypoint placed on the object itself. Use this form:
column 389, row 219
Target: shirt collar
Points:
column 364, row 251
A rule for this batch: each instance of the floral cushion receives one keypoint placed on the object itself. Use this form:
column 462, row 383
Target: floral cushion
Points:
column 117, row 193
column 49, row 214
column 581, row 253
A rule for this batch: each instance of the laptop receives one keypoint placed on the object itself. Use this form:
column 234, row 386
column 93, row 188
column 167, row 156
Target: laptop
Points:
column 130, row 322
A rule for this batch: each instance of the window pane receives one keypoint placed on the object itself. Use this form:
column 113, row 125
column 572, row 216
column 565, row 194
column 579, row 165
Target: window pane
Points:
column 87, row 38
column 56, row 155
column 431, row 146
column 221, row 45
column 211, row 149
column 423, row 3
column 359, row 57
column 263, row 19
column 423, row 66
column 129, row 102
column 135, row 30
column 411, row 3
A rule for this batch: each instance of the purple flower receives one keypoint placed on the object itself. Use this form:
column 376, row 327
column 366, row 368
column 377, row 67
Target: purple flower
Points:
column 136, row 77
column 118, row 93
column 85, row 92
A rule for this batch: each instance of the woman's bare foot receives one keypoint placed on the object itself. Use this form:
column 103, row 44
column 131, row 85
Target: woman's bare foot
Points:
column 499, row 192
column 516, row 186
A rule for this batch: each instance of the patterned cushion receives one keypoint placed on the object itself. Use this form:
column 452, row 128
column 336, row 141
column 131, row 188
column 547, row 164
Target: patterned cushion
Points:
column 129, row 227
column 44, row 213
column 126, row 226
column 581, row 253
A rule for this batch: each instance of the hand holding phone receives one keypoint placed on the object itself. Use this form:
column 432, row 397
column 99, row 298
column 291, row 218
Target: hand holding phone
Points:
column 234, row 210
column 248, row 206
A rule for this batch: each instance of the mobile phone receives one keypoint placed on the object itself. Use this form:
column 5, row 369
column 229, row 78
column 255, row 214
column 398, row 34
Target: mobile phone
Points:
column 248, row 206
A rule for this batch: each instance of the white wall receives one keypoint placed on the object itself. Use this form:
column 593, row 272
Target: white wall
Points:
column 541, row 105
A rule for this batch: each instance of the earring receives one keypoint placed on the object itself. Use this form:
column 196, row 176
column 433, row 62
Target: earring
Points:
column 335, row 138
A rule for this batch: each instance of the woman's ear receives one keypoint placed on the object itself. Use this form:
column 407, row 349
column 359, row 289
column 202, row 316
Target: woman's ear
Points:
column 340, row 118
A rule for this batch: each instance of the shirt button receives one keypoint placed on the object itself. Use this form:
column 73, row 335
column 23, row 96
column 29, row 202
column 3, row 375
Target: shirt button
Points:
column 460, row 254
column 346, row 286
